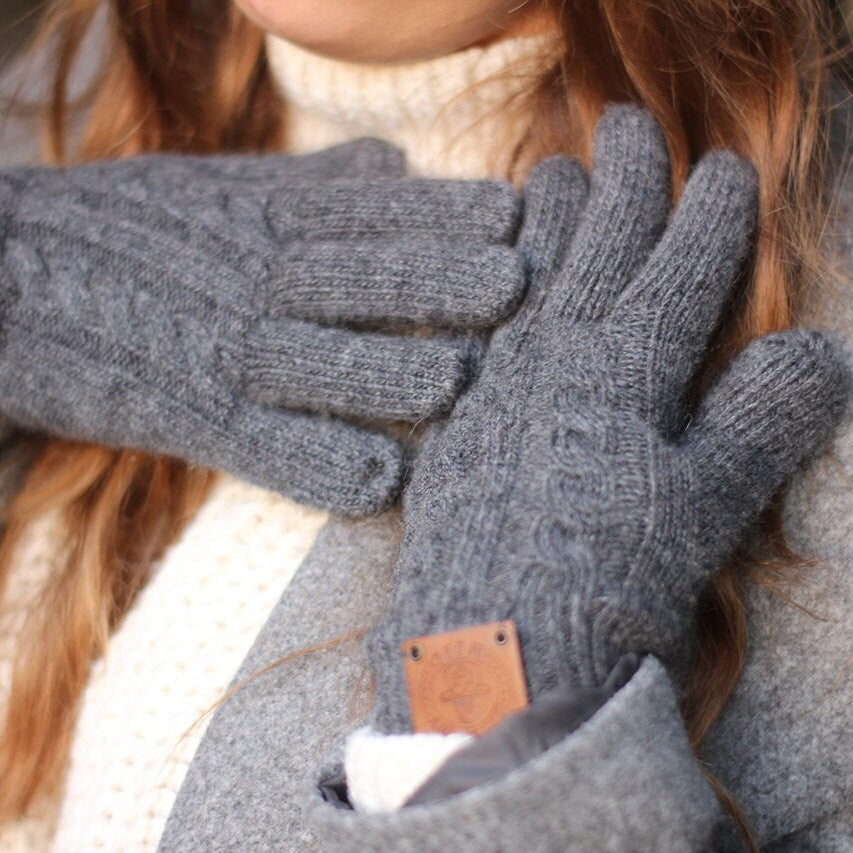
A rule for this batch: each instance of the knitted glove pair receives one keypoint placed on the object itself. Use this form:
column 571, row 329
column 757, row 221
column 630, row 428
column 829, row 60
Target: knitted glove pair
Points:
column 571, row 491
column 195, row 306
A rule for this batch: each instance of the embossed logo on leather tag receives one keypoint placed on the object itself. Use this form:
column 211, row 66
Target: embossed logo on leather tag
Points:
column 466, row 680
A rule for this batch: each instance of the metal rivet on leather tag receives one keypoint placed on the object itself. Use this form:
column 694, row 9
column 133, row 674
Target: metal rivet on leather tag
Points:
column 466, row 680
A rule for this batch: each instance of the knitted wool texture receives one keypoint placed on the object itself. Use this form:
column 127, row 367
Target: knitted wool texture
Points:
column 146, row 706
column 565, row 492
column 192, row 306
column 242, row 548
column 449, row 113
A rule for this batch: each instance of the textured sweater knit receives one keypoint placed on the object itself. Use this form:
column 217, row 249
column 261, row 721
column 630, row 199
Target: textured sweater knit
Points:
column 197, row 617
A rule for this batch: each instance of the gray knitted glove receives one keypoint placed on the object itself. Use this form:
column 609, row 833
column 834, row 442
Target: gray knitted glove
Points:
column 565, row 492
column 193, row 306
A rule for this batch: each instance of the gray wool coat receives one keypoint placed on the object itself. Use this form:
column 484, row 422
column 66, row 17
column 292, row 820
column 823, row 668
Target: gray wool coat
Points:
column 626, row 779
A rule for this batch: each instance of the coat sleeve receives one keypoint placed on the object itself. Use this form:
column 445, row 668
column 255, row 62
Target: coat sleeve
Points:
column 830, row 834
column 626, row 779
column 782, row 745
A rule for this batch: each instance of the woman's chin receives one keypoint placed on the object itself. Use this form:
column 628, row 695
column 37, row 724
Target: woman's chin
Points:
column 365, row 31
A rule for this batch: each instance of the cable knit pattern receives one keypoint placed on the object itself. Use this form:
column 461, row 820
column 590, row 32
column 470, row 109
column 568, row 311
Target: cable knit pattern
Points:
column 184, row 306
column 565, row 492
column 195, row 620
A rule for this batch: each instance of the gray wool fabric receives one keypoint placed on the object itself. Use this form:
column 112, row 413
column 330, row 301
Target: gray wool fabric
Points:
column 565, row 492
column 224, row 309
column 248, row 788
column 559, row 802
column 252, row 783
column 782, row 744
column 778, row 746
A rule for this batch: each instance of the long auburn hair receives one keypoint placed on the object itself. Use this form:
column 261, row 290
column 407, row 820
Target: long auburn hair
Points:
column 178, row 75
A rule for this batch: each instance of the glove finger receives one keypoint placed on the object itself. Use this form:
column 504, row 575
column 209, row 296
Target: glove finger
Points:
column 484, row 211
column 690, row 276
column 294, row 364
column 408, row 282
column 628, row 203
column 320, row 461
column 554, row 196
column 91, row 389
column 777, row 404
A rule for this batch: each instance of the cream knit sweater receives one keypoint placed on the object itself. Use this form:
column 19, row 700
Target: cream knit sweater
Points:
column 176, row 652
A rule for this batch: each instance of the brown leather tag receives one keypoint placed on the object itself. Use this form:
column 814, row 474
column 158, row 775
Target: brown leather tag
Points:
column 466, row 680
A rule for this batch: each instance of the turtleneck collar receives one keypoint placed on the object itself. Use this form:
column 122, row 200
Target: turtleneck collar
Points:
column 446, row 113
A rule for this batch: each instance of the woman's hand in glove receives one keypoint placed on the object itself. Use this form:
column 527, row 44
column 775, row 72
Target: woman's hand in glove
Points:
column 225, row 309
column 570, row 492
